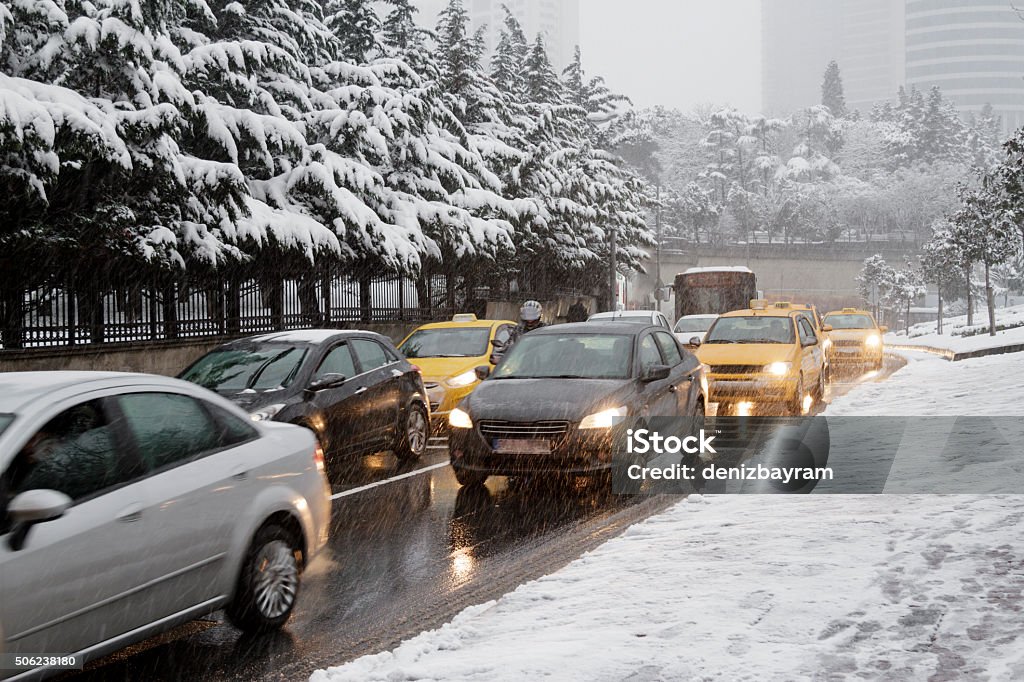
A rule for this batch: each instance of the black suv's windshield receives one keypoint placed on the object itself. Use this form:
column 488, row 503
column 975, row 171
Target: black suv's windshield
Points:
column 568, row 356
column 849, row 321
column 467, row 342
column 257, row 368
column 753, row 329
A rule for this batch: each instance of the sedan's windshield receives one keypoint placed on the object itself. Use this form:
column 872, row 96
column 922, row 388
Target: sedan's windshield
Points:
column 468, row 342
column 849, row 321
column 257, row 368
column 752, row 329
column 694, row 324
column 568, row 356
column 5, row 421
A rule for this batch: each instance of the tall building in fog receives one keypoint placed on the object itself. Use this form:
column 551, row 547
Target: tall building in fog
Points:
column 800, row 38
column 557, row 20
column 973, row 50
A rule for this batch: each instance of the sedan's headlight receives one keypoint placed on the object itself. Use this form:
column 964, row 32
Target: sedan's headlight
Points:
column 779, row 369
column 603, row 419
column 873, row 341
column 462, row 380
column 266, row 413
column 459, row 419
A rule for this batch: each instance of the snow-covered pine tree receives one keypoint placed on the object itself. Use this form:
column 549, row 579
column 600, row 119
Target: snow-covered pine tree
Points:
column 942, row 264
column 984, row 134
column 509, row 59
column 832, row 91
column 357, row 28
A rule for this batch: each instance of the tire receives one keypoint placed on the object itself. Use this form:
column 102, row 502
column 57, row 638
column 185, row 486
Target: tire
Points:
column 468, row 477
column 268, row 584
column 412, row 440
column 795, row 407
column 819, row 391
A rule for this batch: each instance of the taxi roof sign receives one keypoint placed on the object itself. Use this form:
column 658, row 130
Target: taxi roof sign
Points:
column 783, row 305
column 464, row 317
column 849, row 310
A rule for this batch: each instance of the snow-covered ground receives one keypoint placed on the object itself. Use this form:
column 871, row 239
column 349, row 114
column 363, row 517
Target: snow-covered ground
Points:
column 954, row 328
column 751, row 587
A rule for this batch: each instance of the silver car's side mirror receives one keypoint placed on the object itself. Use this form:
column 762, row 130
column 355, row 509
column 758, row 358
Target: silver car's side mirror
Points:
column 32, row 507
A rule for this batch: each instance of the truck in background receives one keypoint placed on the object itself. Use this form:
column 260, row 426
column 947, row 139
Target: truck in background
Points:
column 714, row 290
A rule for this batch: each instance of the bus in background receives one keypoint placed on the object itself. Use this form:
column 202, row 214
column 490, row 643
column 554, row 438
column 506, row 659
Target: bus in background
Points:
column 714, row 290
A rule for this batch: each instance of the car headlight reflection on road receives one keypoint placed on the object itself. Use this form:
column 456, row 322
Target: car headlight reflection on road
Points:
column 267, row 413
column 604, row 419
column 459, row 419
column 779, row 369
column 461, row 380
column 873, row 341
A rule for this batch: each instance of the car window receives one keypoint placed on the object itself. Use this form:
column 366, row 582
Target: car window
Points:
column 169, row 428
column 75, row 453
column 233, row 430
column 337, row 361
column 371, row 354
column 577, row 356
column 649, row 354
column 807, row 334
column 253, row 367
column 669, row 348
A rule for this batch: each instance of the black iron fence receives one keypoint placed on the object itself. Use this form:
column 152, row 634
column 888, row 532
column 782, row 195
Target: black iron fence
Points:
column 129, row 310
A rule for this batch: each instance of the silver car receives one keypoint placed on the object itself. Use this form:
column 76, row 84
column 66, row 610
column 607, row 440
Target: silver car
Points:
column 130, row 504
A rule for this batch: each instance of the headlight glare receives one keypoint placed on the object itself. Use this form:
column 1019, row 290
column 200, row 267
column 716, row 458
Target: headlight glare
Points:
column 873, row 341
column 604, row 419
column 461, row 380
column 459, row 419
column 778, row 369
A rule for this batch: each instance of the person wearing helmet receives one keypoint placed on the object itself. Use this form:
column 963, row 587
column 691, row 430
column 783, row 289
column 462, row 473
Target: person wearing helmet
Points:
column 530, row 317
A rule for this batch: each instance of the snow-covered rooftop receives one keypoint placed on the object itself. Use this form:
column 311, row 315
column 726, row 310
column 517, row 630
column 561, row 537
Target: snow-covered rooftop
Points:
column 719, row 268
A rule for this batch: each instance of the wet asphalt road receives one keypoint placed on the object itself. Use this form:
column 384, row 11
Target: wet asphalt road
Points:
column 409, row 549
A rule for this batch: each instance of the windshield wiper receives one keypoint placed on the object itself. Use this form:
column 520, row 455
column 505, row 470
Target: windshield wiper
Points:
column 723, row 341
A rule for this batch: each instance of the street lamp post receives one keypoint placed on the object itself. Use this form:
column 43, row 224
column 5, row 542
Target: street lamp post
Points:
column 612, row 280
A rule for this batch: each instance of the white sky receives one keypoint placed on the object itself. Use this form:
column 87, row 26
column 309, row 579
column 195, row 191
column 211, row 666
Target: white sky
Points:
column 678, row 53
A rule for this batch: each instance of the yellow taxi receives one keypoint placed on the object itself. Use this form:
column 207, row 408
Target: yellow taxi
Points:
column 447, row 353
column 855, row 338
column 765, row 356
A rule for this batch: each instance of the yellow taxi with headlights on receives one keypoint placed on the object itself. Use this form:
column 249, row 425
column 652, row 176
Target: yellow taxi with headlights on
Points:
column 762, row 357
column 447, row 354
column 855, row 338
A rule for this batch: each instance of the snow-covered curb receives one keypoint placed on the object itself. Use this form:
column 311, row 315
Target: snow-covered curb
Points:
column 924, row 335
column 754, row 588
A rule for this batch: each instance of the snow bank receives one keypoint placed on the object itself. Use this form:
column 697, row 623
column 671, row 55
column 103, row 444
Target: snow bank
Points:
column 955, row 327
column 752, row 588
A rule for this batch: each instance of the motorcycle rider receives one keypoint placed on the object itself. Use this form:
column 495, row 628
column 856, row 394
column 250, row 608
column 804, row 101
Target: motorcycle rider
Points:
column 529, row 319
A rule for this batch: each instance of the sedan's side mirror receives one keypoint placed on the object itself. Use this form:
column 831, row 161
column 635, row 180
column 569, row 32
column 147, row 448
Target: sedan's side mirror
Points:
column 695, row 342
column 482, row 372
column 826, row 328
column 32, row 507
column 883, row 329
column 655, row 373
column 328, row 381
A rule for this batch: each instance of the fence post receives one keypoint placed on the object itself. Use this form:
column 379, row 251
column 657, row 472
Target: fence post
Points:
column 401, row 298
column 154, row 309
column 326, row 283
column 233, row 304
column 276, row 293
column 13, row 322
column 70, row 311
column 365, row 299
column 170, row 305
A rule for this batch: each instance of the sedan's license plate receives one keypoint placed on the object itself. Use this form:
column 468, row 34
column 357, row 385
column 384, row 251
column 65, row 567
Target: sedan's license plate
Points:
column 513, row 446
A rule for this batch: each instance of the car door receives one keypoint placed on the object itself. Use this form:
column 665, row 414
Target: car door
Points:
column 343, row 408
column 684, row 376
column 382, row 385
column 200, row 478
column 68, row 587
column 810, row 354
column 658, row 397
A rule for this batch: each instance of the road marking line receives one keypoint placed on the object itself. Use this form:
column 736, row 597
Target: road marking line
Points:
column 410, row 474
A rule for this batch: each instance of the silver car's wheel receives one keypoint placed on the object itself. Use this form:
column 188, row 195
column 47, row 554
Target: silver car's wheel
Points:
column 268, row 583
column 413, row 438
column 277, row 580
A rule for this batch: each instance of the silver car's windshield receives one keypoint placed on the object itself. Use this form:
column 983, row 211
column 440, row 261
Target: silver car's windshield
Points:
column 568, row 356
column 5, row 421
column 257, row 368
